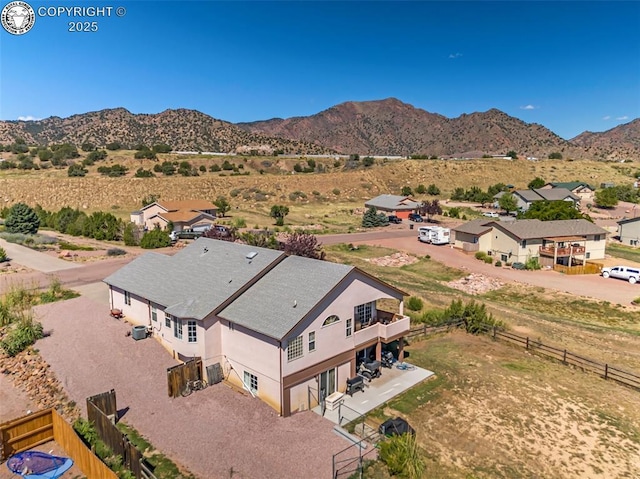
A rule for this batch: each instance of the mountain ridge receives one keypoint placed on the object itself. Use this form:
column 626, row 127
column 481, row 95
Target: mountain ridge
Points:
column 381, row 127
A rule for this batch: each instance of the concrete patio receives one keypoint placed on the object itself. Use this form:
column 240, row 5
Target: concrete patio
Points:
column 392, row 383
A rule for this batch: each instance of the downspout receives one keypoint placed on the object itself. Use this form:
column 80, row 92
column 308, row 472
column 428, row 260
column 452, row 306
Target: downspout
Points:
column 281, row 382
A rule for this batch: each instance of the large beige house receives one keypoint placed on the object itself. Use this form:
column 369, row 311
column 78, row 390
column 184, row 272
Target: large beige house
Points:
column 563, row 242
column 578, row 188
column 182, row 214
column 288, row 329
column 629, row 231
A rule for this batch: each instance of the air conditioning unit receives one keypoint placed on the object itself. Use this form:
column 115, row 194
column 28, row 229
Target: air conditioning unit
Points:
column 139, row 332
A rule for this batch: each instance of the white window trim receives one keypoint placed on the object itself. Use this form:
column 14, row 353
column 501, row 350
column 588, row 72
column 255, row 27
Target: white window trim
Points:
column 250, row 380
column 154, row 313
column 192, row 326
column 167, row 319
column 312, row 341
column 349, row 327
column 177, row 328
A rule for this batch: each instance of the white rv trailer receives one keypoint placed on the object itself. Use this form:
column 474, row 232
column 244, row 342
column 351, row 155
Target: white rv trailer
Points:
column 434, row 234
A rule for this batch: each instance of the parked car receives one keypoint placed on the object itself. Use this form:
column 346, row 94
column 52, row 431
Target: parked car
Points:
column 415, row 217
column 395, row 219
column 491, row 214
column 622, row 272
column 518, row 265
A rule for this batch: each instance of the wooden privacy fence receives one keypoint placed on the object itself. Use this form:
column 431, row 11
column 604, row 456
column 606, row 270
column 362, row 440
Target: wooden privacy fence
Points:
column 38, row 428
column 177, row 376
column 604, row 370
column 587, row 268
column 105, row 424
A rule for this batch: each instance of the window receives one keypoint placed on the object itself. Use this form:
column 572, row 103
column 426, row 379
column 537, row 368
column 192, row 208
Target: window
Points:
column 154, row 313
column 524, row 243
column 363, row 313
column 167, row 320
column 330, row 320
column 251, row 381
column 294, row 350
column 177, row 328
column 597, row 237
column 504, row 258
column 192, row 332
column 127, row 298
column 349, row 329
column 587, row 255
column 312, row 341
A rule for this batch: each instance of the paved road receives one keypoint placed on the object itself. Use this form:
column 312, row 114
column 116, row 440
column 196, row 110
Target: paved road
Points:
column 34, row 259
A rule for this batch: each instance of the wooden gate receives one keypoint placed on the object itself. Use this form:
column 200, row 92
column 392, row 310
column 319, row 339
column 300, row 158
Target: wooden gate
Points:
column 177, row 376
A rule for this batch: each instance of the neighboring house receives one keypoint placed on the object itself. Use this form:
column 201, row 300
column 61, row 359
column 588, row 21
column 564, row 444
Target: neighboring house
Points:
column 526, row 197
column 400, row 206
column 283, row 327
column 564, row 242
column 183, row 214
column 629, row 231
column 578, row 188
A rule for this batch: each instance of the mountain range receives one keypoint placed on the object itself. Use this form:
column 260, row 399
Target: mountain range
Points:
column 383, row 127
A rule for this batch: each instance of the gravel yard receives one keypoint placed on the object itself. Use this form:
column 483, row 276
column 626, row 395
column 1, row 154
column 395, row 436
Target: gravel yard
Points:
column 215, row 433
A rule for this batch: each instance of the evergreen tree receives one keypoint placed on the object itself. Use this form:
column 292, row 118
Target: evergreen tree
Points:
column 22, row 219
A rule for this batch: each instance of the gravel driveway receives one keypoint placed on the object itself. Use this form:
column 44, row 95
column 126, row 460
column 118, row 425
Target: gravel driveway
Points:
column 212, row 432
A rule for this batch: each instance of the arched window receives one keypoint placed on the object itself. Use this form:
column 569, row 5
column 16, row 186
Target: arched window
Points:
column 330, row 320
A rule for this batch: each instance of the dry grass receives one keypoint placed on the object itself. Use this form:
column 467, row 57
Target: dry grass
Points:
column 53, row 189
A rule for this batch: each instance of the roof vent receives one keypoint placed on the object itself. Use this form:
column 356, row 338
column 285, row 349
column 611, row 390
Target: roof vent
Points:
column 251, row 255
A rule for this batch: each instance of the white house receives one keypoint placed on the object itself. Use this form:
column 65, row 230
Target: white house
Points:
column 283, row 327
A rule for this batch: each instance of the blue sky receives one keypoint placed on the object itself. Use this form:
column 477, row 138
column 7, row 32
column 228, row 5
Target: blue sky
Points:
column 570, row 66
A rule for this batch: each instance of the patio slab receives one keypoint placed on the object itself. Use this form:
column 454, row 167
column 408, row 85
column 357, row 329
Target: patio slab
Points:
column 392, row 383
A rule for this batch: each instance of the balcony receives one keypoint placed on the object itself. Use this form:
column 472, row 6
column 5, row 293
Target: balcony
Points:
column 564, row 251
column 385, row 326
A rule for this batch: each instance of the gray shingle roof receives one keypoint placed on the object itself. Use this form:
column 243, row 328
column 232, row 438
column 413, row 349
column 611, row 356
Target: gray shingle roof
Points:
column 555, row 194
column 624, row 221
column 392, row 202
column 531, row 229
column 268, row 305
column 570, row 185
column 192, row 283
column 475, row 227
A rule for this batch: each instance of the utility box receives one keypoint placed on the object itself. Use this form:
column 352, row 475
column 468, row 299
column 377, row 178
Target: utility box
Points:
column 139, row 332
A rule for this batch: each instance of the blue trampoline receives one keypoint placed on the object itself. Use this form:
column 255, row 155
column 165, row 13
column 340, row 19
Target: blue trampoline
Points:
column 38, row 465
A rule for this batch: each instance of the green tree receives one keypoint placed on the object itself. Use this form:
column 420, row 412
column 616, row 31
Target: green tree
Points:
column 129, row 235
column 555, row 156
column 279, row 212
column 606, row 198
column 113, row 146
column 508, row 202
column 406, row 191
column 512, row 154
column 156, row 238
column 45, row 154
column 76, row 170
column 161, row 148
column 368, row 161
column 22, row 219
column 102, row 226
column 149, row 199
column 372, row 218
column 536, row 183
column 421, row 189
column 87, row 146
column 3, row 255
column 554, row 210
column 433, row 190
column 167, row 168
column 223, row 205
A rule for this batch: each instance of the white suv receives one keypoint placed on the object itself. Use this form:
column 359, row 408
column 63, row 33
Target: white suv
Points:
column 491, row 214
column 622, row 272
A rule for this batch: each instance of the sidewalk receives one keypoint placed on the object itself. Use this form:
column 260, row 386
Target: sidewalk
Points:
column 34, row 259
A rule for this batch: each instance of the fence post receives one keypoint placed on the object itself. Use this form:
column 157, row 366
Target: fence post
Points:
column 527, row 345
column 606, row 371
column 564, row 357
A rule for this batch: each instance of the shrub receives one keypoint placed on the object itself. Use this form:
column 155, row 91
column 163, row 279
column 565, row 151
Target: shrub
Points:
column 235, row 193
column 481, row 255
column 532, row 263
column 21, row 336
column 74, row 247
column 454, row 212
column 414, row 303
column 488, row 259
column 498, row 263
column 116, row 252
column 402, row 456
column 214, row 168
column 239, row 223
column 3, row 255
column 155, row 238
column 336, row 191
column 142, row 173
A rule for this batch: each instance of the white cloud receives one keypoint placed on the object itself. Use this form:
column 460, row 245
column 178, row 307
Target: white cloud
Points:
column 528, row 107
column 28, row 118
column 605, row 118
column 455, row 55
column 620, row 118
